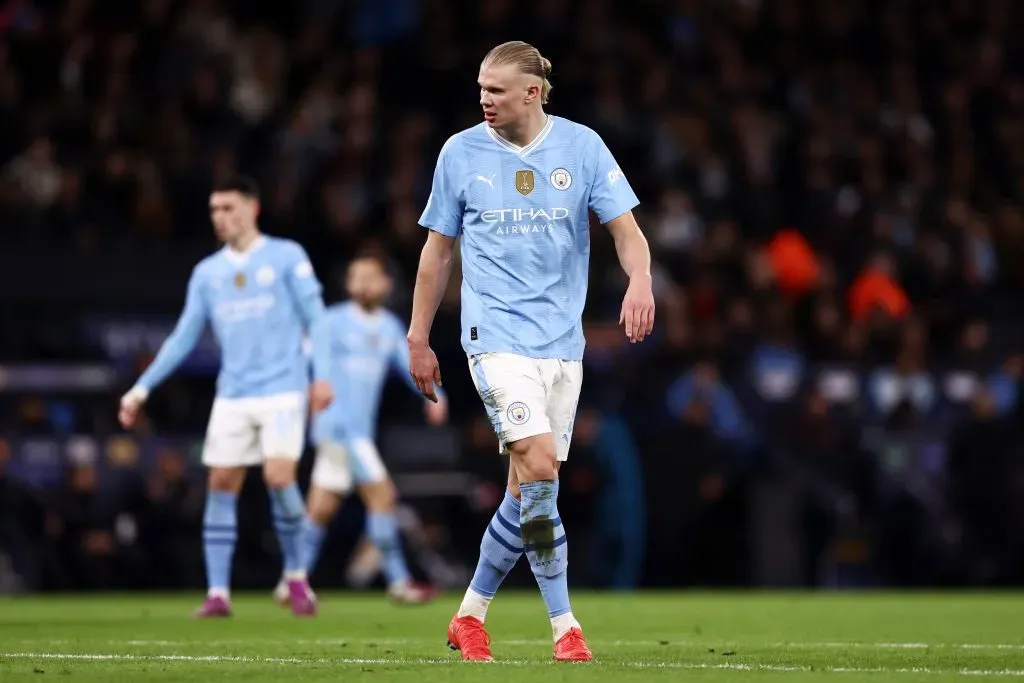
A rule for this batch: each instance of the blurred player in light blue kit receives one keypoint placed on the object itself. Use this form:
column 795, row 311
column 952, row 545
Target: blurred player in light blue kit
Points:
column 367, row 342
column 260, row 295
column 518, row 189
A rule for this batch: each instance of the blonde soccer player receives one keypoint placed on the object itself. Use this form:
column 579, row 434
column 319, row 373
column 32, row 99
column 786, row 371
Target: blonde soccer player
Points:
column 518, row 189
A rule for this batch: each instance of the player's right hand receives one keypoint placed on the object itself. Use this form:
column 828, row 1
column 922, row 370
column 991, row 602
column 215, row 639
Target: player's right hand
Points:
column 424, row 369
column 436, row 413
column 131, row 406
column 321, row 393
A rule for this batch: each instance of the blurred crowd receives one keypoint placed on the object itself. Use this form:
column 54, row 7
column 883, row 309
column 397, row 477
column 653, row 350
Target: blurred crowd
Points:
column 832, row 192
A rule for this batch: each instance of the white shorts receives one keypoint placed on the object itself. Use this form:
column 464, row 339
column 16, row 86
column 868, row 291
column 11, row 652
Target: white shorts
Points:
column 528, row 396
column 245, row 431
column 340, row 465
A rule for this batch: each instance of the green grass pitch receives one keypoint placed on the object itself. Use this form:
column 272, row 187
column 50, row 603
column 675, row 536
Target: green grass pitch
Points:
column 641, row 636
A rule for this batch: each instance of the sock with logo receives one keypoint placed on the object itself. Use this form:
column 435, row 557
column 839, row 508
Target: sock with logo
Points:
column 545, row 545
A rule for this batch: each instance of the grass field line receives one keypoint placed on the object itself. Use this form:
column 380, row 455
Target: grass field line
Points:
column 453, row 661
column 663, row 642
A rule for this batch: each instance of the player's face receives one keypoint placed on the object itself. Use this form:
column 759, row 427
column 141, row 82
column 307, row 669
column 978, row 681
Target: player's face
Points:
column 367, row 283
column 506, row 94
column 233, row 215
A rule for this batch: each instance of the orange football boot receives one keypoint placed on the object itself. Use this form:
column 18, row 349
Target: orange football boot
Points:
column 468, row 635
column 572, row 647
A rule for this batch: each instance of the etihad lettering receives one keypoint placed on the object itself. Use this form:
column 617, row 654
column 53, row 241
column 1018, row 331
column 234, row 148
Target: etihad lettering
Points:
column 240, row 310
column 524, row 215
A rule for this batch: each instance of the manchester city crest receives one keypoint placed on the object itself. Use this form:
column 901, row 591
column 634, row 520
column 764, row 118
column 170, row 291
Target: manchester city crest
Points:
column 518, row 413
column 561, row 179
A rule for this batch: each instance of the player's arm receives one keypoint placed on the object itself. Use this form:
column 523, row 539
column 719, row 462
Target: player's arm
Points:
column 436, row 413
column 637, row 314
column 173, row 351
column 443, row 218
column 613, row 200
column 307, row 293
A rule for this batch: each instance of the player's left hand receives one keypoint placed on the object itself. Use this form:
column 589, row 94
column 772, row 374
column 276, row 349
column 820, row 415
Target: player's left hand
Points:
column 320, row 395
column 637, row 314
column 436, row 413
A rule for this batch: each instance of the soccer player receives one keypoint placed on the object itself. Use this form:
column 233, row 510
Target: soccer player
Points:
column 366, row 342
column 260, row 294
column 518, row 189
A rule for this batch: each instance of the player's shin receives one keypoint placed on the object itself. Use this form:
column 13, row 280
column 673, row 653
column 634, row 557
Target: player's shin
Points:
column 382, row 530
column 220, row 531
column 288, row 512
column 545, row 545
column 500, row 549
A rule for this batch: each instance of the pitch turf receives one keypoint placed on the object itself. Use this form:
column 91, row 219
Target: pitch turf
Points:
column 644, row 636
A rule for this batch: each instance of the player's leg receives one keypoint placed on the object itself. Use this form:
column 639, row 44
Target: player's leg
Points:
column 563, row 398
column 330, row 481
column 513, row 392
column 500, row 549
column 282, row 435
column 230, row 447
column 381, row 501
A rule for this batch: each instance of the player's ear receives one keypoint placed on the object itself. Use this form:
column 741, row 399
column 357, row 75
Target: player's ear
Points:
column 532, row 93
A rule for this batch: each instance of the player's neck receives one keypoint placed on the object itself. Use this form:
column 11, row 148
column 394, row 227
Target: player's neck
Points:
column 243, row 242
column 527, row 130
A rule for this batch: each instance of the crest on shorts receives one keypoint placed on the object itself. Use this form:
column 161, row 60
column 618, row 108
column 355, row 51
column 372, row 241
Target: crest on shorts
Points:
column 524, row 182
column 518, row 413
column 561, row 179
column 240, row 280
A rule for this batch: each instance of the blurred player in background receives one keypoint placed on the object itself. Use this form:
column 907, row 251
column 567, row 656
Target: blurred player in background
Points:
column 260, row 294
column 366, row 342
column 518, row 189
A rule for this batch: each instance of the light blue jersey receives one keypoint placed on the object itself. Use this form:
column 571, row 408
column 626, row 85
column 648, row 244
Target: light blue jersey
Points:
column 259, row 303
column 522, row 213
column 364, row 348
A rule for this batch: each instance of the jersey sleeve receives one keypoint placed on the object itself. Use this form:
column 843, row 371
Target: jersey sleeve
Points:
column 183, row 338
column 307, row 292
column 443, row 212
column 610, row 192
column 298, row 271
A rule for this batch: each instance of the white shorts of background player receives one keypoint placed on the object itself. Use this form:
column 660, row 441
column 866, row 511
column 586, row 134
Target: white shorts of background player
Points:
column 244, row 432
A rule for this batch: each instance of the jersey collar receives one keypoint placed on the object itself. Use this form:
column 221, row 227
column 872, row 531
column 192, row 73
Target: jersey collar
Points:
column 516, row 149
column 239, row 257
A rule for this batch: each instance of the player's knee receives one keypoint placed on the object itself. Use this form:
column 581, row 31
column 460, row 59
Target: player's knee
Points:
column 534, row 459
column 225, row 479
column 279, row 473
column 322, row 506
column 380, row 496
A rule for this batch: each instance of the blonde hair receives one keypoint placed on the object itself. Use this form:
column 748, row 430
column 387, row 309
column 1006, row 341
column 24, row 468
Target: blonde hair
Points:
column 527, row 58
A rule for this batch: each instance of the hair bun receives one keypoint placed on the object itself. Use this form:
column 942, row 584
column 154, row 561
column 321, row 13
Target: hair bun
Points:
column 545, row 64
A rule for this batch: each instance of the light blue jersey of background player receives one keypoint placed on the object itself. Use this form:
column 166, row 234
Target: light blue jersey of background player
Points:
column 366, row 341
column 261, row 296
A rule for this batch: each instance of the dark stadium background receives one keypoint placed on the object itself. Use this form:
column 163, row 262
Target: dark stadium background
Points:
column 832, row 192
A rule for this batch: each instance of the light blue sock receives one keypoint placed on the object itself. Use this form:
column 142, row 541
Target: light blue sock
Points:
column 544, row 542
column 383, row 532
column 220, row 531
column 288, row 511
column 311, row 538
column 500, row 549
